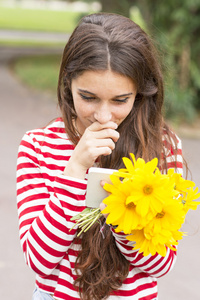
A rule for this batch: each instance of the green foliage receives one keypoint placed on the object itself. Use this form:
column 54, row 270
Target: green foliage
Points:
column 179, row 104
column 117, row 6
column 136, row 16
column 39, row 72
column 176, row 26
column 195, row 74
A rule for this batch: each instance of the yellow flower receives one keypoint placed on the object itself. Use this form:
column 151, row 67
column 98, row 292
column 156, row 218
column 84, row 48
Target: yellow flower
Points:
column 121, row 214
column 188, row 200
column 148, row 187
column 144, row 245
column 158, row 243
column 170, row 218
column 149, row 191
column 139, row 164
column 180, row 184
column 161, row 231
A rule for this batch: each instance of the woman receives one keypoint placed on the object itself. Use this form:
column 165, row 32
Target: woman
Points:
column 110, row 92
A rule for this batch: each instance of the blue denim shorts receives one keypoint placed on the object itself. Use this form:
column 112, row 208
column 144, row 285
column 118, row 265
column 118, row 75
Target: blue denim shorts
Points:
column 39, row 295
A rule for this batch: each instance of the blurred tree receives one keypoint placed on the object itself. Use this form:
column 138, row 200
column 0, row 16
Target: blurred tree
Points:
column 117, row 6
column 176, row 24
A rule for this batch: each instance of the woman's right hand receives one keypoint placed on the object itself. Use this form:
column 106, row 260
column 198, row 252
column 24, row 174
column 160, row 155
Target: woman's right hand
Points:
column 98, row 139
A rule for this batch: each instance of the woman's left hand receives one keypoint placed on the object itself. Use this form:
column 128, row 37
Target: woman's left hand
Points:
column 102, row 205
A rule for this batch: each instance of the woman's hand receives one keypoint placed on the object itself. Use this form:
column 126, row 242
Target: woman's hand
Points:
column 98, row 139
column 102, row 205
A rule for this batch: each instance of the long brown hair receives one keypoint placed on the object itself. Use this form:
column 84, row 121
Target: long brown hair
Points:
column 101, row 42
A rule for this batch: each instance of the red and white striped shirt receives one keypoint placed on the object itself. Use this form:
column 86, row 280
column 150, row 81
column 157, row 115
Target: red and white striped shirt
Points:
column 46, row 202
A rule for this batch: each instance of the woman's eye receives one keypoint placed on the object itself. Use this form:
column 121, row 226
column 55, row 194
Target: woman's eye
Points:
column 87, row 97
column 124, row 100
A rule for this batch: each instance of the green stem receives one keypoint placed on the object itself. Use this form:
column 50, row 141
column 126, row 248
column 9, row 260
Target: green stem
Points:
column 89, row 220
column 86, row 217
column 88, row 225
column 97, row 217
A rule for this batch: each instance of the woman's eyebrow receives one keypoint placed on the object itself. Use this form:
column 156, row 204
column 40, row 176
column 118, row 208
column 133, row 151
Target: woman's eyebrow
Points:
column 118, row 96
column 85, row 91
column 124, row 95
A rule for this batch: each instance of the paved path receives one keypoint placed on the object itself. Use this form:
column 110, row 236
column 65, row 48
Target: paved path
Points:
column 21, row 110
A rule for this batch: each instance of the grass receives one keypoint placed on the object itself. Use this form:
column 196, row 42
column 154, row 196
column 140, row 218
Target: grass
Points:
column 37, row 20
column 39, row 72
column 23, row 43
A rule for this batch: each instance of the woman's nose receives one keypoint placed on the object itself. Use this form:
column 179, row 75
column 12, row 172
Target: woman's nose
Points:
column 103, row 115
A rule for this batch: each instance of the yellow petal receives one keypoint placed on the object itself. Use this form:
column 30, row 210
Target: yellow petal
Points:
column 108, row 187
column 140, row 163
column 170, row 172
column 114, row 216
column 112, row 199
column 128, row 165
column 151, row 165
column 130, row 221
column 134, row 198
column 161, row 249
column 115, row 180
column 142, row 207
column 133, row 158
column 122, row 174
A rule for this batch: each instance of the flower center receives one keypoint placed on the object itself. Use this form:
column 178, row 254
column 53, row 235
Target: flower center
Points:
column 160, row 215
column 147, row 189
column 130, row 205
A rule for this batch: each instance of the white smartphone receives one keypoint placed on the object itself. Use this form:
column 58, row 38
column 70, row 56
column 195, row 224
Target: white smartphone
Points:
column 95, row 192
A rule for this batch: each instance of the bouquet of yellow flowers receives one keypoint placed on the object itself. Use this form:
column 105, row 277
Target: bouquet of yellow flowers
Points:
column 149, row 207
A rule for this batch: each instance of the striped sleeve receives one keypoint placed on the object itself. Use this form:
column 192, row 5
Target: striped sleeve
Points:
column 44, row 217
column 155, row 266
column 173, row 153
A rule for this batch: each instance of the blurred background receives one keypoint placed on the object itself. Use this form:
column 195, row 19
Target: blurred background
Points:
column 32, row 37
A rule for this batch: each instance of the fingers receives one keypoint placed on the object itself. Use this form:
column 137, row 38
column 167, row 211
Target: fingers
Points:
column 108, row 133
column 100, row 143
column 98, row 126
column 102, row 206
column 103, row 131
column 102, row 183
column 94, row 152
column 97, row 140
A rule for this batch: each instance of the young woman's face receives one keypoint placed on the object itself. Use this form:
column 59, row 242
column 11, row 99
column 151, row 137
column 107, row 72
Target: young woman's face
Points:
column 102, row 96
